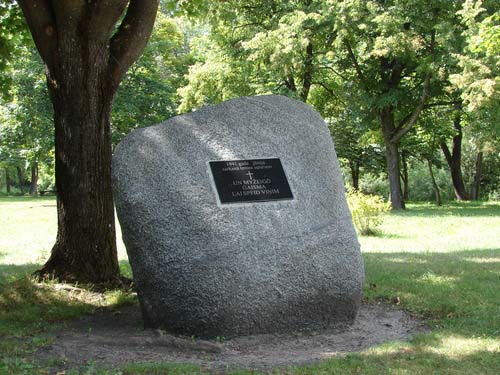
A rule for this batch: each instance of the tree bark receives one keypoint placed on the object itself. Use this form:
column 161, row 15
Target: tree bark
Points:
column 476, row 183
column 7, row 180
column 434, row 184
column 454, row 158
column 392, row 158
column 34, row 179
column 308, row 72
column 85, row 248
column 354, row 167
column 404, row 175
column 20, row 179
column 84, row 68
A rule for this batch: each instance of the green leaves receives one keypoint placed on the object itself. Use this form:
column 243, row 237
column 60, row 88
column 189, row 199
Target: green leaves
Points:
column 147, row 94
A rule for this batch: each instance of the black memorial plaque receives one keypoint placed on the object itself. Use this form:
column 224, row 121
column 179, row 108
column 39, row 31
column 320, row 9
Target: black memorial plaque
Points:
column 256, row 180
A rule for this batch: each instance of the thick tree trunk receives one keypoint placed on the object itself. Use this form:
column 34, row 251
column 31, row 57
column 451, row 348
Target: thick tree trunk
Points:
column 475, row 185
column 434, row 183
column 392, row 159
column 86, row 55
column 20, row 179
column 454, row 158
column 34, row 179
column 85, row 248
column 404, row 175
column 7, row 180
column 354, row 167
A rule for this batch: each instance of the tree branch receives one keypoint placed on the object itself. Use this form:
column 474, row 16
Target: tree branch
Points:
column 41, row 22
column 335, row 72
column 104, row 15
column 441, row 104
column 412, row 119
column 132, row 36
column 446, row 152
column 330, row 91
column 354, row 60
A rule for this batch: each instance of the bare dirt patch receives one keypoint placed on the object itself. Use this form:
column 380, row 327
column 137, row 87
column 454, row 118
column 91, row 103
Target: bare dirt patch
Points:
column 112, row 338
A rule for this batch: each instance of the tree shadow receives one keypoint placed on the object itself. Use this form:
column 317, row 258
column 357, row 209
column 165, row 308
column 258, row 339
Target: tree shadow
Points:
column 459, row 209
column 29, row 306
column 11, row 272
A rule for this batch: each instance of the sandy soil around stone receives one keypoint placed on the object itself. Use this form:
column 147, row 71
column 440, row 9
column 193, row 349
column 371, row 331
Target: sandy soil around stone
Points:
column 112, row 338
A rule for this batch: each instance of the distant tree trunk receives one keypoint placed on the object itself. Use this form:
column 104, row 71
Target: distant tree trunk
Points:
column 34, row 179
column 354, row 167
column 454, row 158
column 7, row 180
column 21, row 179
column 434, row 183
column 392, row 159
column 404, row 175
column 474, row 188
column 308, row 72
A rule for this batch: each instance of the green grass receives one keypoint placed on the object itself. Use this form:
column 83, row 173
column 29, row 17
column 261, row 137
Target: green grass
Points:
column 440, row 263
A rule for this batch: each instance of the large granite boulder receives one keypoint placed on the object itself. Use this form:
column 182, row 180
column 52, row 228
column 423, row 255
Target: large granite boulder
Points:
column 213, row 254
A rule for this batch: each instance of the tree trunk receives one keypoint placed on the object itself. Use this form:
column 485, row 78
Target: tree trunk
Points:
column 434, row 183
column 86, row 55
column 21, row 179
column 34, row 179
column 392, row 159
column 474, row 188
column 354, row 167
column 404, row 175
column 85, row 248
column 308, row 72
column 454, row 158
column 7, row 180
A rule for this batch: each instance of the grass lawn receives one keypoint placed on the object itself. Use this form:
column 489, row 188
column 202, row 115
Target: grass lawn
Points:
column 442, row 264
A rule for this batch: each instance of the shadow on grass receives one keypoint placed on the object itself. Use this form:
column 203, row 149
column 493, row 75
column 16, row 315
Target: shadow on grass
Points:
column 388, row 235
column 11, row 272
column 29, row 306
column 26, row 198
column 457, row 291
column 459, row 209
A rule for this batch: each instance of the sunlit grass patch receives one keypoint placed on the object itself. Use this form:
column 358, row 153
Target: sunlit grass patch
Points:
column 458, row 347
column 426, row 228
column 28, row 228
column 483, row 260
column 432, row 278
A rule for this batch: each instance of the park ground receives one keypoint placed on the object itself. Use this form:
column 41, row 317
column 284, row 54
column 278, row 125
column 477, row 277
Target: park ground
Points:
column 439, row 264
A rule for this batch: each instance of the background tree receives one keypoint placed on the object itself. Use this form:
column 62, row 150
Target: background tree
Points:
column 27, row 133
column 86, row 56
column 12, row 33
column 148, row 92
column 478, row 82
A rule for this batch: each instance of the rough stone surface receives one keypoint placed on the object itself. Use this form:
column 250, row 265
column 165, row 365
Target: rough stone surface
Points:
column 206, row 269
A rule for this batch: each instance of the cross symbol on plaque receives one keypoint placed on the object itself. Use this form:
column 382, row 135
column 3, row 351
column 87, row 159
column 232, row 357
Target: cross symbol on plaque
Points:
column 250, row 174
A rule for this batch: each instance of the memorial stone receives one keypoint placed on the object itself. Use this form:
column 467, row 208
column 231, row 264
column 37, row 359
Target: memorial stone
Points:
column 235, row 221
